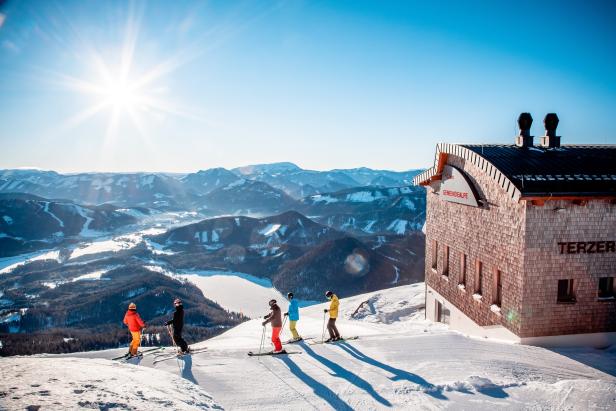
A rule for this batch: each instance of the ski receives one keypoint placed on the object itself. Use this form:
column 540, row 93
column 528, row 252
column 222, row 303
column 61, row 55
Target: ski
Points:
column 334, row 342
column 297, row 341
column 256, row 354
column 168, row 356
column 139, row 354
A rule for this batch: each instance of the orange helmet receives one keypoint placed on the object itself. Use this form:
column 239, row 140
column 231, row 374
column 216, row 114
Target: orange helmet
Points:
column 132, row 306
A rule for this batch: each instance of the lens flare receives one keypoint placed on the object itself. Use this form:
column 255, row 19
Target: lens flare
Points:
column 356, row 264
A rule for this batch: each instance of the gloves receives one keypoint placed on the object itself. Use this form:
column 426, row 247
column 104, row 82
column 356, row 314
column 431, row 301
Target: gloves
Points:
column 265, row 317
column 325, row 310
column 286, row 314
column 263, row 323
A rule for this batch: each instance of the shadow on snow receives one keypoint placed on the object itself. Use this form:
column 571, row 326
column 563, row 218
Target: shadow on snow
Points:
column 398, row 374
column 319, row 389
column 342, row 372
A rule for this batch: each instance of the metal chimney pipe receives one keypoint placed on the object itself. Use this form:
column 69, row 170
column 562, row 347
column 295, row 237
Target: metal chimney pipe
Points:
column 524, row 139
column 550, row 140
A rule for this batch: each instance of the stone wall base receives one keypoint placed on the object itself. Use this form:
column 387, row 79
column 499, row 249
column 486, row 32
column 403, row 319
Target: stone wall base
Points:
column 460, row 322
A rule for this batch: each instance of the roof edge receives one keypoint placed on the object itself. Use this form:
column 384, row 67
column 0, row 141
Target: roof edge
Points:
column 443, row 150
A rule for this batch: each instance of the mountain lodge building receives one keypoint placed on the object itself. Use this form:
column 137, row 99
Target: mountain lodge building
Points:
column 521, row 239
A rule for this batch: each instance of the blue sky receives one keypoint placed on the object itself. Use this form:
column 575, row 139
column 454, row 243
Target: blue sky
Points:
column 324, row 84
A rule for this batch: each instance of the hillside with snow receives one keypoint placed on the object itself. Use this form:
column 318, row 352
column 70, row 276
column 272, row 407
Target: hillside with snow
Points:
column 400, row 361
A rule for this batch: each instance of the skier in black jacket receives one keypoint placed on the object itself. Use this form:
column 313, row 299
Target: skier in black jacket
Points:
column 178, row 324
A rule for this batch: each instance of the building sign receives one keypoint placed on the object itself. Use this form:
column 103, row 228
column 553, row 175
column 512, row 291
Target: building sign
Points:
column 456, row 188
column 587, row 247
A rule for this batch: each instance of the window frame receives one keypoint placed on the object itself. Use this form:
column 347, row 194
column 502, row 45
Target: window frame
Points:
column 462, row 278
column 569, row 298
column 497, row 298
column 610, row 289
column 478, row 277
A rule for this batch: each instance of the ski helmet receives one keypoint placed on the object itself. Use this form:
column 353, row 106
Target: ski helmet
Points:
column 177, row 301
column 290, row 295
column 272, row 302
column 328, row 294
column 132, row 306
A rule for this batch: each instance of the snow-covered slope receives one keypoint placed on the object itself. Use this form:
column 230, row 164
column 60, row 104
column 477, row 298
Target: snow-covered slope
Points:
column 400, row 361
column 78, row 383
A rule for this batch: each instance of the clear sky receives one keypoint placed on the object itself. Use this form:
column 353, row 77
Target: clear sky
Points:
column 188, row 85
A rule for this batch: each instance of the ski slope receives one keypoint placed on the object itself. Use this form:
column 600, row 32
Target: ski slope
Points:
column 400, row 361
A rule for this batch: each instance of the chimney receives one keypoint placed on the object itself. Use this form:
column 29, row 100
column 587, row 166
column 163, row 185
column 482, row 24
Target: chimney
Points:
column 524, row 140
column 550, row 140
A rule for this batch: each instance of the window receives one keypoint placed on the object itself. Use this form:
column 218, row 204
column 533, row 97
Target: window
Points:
column 462, row 280
column 565, row 291
column 434, row 253
column 498, row 288
column 606, row 287
column 446, row 262
column 478, row 276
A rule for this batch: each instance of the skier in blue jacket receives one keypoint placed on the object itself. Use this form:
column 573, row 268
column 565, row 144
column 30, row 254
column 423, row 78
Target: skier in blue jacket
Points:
column 293, row 314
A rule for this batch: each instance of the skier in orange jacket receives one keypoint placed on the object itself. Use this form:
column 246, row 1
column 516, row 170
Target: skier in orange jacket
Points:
column 135, row 326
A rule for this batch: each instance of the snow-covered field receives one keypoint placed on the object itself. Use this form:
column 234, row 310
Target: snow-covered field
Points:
column 400, row 361
column 80, row 383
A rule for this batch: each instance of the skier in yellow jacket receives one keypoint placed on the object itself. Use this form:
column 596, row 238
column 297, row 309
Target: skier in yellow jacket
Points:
column 334, row 335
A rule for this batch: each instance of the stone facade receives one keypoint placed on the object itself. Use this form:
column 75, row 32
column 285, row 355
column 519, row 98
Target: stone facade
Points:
column 520, row 240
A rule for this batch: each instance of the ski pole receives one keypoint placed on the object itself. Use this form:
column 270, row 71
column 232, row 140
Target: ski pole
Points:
column 172, row 340
column 323, row 335
column 262, row 340
column 283, row 323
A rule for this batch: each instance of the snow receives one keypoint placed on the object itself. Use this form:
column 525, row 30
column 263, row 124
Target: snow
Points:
column 270, row 229
column 131, row 212
column 8, row 264
column 95, row 275
column 235, row 184
column 364, row 196
column 324, row 198
column 400, row 361
column 125, row 242
column 237, row 292
column 46, row 209
column 86, row 231
column 397, row 271
column 77, row 383
column 398, row 226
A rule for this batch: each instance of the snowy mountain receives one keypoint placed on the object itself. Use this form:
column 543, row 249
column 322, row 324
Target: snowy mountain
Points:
column 28, row 222
column 400, row 361
column 206, row 181
column 248, row 197
column 369, row 210
column 154, row 190
column 300, row 183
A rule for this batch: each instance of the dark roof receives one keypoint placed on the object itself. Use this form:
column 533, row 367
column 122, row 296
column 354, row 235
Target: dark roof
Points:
column 574, row 170
column 566, row 171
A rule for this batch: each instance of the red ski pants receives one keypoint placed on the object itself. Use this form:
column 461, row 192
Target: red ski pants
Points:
column 276, row 338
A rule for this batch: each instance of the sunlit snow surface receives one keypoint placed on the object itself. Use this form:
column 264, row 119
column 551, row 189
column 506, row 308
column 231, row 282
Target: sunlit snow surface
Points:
column 400, row 362
column 237, row 291
column 81, row 383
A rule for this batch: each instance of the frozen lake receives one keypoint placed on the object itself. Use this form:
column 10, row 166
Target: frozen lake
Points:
column 237, row 291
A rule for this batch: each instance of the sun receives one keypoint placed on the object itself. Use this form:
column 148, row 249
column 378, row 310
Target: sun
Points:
column 119, row 94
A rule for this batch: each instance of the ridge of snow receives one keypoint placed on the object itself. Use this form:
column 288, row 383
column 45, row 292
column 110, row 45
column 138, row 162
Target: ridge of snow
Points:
column 270, row 229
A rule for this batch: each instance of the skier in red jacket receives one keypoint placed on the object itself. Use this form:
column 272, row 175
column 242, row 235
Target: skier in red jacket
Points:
column 135, row 326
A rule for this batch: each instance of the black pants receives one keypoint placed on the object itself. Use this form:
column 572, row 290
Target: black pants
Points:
column 331, row 328
column 179, row 341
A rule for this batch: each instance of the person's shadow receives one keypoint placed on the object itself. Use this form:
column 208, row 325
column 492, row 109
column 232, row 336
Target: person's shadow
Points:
column 340, row 372
column 319, row 389
column 398, row 374
column 186, row 369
